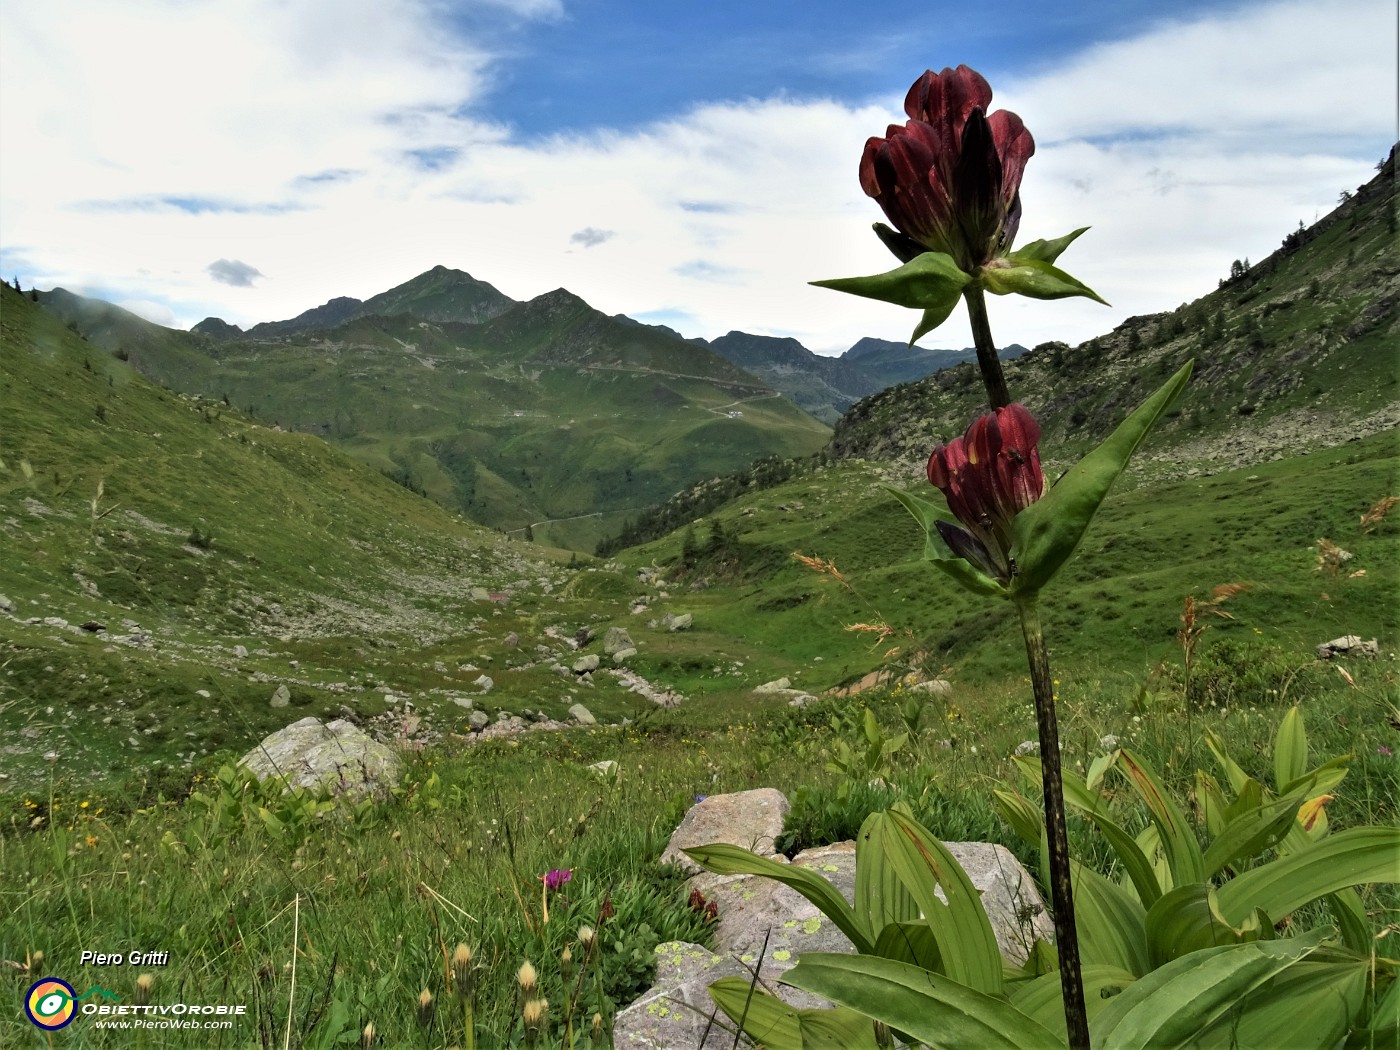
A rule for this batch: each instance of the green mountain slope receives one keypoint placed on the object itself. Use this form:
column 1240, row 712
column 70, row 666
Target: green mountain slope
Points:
column 1297, row 352
column 549, row 418
column 187, row 530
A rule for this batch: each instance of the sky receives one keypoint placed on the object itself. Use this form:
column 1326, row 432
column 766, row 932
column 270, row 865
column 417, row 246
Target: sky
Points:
column 693, row 165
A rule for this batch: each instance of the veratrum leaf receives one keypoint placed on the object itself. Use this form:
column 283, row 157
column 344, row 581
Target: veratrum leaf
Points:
column 881, row 898
column 931, row 281
column 966, row 943
column 1036, row 279
column 1252, row 833
column 1348, row 858
column 1172, row 1005
column 766, row 1019
column 1134, row 861
column 1290, row 750
column 772, row 1023
column 1043, row 998
column 1188, row 919
column 724, row 859
column 1045, row 251
column 1110, row 922
column 1046, row 533
column 926, row 1006
column 1178, row 839
column 1310, row 1006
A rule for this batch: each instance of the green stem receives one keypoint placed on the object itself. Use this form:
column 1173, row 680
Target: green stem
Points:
column 987, row 360
column 1061, row 890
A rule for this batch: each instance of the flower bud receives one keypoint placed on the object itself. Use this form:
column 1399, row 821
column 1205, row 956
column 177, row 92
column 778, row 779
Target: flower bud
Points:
column 425, row 1008
column 462, row 977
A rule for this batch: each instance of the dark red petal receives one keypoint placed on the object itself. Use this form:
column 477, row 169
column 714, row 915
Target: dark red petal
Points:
column 945, row 99
column 1014, row 146
column 1019, row 430
column 983, row 441
column 899, row 169
column 977, row 189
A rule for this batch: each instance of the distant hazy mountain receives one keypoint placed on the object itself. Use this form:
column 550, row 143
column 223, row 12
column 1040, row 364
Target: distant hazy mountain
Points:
column 828, row 386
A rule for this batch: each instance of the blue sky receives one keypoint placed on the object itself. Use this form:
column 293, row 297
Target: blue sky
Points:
column 691, row 164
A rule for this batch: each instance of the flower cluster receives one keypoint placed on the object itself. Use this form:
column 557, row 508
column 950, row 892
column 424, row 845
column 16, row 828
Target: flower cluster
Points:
column 988, row 476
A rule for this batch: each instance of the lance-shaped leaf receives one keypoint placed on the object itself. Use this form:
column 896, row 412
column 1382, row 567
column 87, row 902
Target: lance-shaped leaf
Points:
column 1046, row 533
column 926, row 1006
column 1348, row 858
column 881, row 898
column 1130, row 854
column 1178, row 839
column 1310, row 1006
column 1251, row 833
column 1174, row 1004
column 928, row 514
column 966, row 943
column 772, row 1023
column 1188, row 919
column 1043, row 998
column 1290, row 750
column 931, row 281
column 725, row 859
column 1043, row 250
column 1036, row 279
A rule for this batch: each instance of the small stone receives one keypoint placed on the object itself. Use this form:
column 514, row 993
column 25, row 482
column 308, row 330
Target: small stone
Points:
column 606, row 769
column 282, row 696
column 485, row 681
column 478, row 719
column 6, row 605
column 615, row 640
column 582, row 715
column 623, row 655
column 202, row 692
column 585, row 664
column 778, row 685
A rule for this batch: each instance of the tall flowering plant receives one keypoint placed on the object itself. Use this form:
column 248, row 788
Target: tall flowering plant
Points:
column 949, row 181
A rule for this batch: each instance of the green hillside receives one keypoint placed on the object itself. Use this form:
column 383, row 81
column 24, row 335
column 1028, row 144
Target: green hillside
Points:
column 549, row 420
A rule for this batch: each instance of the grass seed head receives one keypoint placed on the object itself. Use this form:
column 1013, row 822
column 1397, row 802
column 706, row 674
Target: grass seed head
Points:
column 143, row 989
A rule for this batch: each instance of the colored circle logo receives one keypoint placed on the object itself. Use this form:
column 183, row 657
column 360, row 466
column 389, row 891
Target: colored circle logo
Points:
column 50, row 1003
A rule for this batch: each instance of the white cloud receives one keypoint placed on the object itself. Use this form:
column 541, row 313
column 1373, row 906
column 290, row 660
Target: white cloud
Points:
column 328, row 141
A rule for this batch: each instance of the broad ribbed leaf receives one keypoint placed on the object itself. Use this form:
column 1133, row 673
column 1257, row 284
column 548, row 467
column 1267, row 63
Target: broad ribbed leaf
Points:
column 1046, row 533
column 1110, row 922
column 1036, row 279
column 927, row 1006
column 1252, row 833
column 1321, row 780
column 881, row 898
column 1348, row 909
column 775, row 1025
column 1290, row 750
column 930, row 281
column 1348, row 858
column 1233, row 773
column 725, row 859
column 1043, row 250
column 767, row 1020
column 1043, row 998
column 911, row 942
column 1212, row 802
column 1178, row 839
column 1309, row 1006
column 1024, row 816
column 928, row 513
column 1094, row 806
column 1188, row 919
column 1173, row 1005
column 966, row 943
